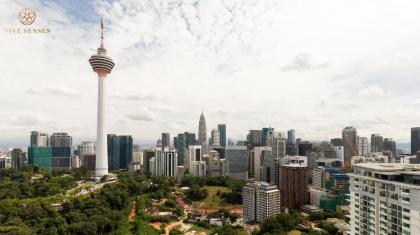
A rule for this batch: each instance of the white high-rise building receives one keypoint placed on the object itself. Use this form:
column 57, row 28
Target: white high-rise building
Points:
column 39, row 139
column 259, row 154
column 170, row 163
column 194, row 153
column 260, row 200
column 198, row 168
column 215, row 165
column 85, row 148
column 315, row 195
column 159, row 161
column 215, row 138
column 102, row 65
column 385, row 198
column 137, row 154
column 339, row 152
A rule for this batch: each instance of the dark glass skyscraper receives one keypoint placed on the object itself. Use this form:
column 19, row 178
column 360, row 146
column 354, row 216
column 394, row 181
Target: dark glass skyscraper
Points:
column 376, row 143
column 122, row 152
column 166, row 140
column 303, row 147
column 183, row 141
column 61, row 144
column 264, row 135
column 415, row 140
column 222, row 131
column 291, row 136
column 337, row 142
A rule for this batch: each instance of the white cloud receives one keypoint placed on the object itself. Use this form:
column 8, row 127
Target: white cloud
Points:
column 243, row 57
column 138, row 96
column 142, row 114
column 58, row 91
column 372, row 92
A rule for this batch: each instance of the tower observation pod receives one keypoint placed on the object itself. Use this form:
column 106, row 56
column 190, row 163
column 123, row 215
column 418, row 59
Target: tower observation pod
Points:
column 102, row 65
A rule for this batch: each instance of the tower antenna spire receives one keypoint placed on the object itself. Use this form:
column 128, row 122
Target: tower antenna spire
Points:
column 102, row 31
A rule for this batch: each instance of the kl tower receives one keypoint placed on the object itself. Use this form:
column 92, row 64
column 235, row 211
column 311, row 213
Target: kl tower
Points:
column 102, row 65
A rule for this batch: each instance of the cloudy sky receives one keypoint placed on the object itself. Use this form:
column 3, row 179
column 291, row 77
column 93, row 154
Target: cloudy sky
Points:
column 315, row 66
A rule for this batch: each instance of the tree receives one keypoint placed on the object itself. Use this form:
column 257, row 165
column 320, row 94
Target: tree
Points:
column 329, row 227
column 196, row 193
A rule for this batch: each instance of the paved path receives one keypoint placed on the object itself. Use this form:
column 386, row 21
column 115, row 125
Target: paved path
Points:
column 132, row 214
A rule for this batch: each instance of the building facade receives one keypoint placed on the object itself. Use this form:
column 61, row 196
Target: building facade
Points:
column 61, row 145
column 349, row 144
column 260, row 201
column 166, row 140
column 222, row 130
column 40, row 156
column 39, row 139
column 202, row 129
column 237, row 160
column 294, row 186
column 121, row 152
column 376, row 143
column 362, row 145
column 384, row 199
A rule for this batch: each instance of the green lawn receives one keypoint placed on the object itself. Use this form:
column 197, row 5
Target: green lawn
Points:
column 214, row 201
column 199, row 229
column 294, row 232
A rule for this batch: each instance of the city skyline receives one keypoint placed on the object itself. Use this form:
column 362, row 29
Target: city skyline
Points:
column 352, row 80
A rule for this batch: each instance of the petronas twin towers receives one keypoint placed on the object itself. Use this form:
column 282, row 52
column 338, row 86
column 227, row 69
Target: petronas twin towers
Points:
column 202, row 129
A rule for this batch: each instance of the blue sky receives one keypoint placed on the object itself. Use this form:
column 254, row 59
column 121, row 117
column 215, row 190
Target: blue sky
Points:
column 315, row 66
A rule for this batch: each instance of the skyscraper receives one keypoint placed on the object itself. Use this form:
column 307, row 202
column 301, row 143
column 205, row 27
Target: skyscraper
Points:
column 40, row 156
column 237, row 160
column 258, row 156
column 337, row 142
column 384, row 198
column 166, row 140
column 215, row 138
column 86, row 148
column 362, row 145
column 291, row 136
column 170, row 163
column 303, row 147
column 390, row 145
column 61, row 144
column 18, row 158
column 122, row 152
column 182, row 142
column 294, row 186
column 202, row 129
column 61, row 139
column 376, row 143
column 260, row 201
column 39, row 139
column 350, row 145
column 415, row 140
column 102, row 65
column 222, row 131
column 255, row 137
column 264, row 135
column 195, row 153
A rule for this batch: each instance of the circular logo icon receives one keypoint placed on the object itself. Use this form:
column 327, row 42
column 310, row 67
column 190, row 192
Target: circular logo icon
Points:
column 27, row 16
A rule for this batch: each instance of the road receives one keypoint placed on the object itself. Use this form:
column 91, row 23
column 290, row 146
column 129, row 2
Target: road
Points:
column 184, row 227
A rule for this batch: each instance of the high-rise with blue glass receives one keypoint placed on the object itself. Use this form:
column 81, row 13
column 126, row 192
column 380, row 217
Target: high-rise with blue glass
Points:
column 222, row 132
column 121, row 152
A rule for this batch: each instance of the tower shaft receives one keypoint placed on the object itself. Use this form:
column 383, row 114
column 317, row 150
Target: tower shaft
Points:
column 101, row 141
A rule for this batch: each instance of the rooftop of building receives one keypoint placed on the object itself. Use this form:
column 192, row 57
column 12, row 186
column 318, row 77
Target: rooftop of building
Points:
column 388, row 166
